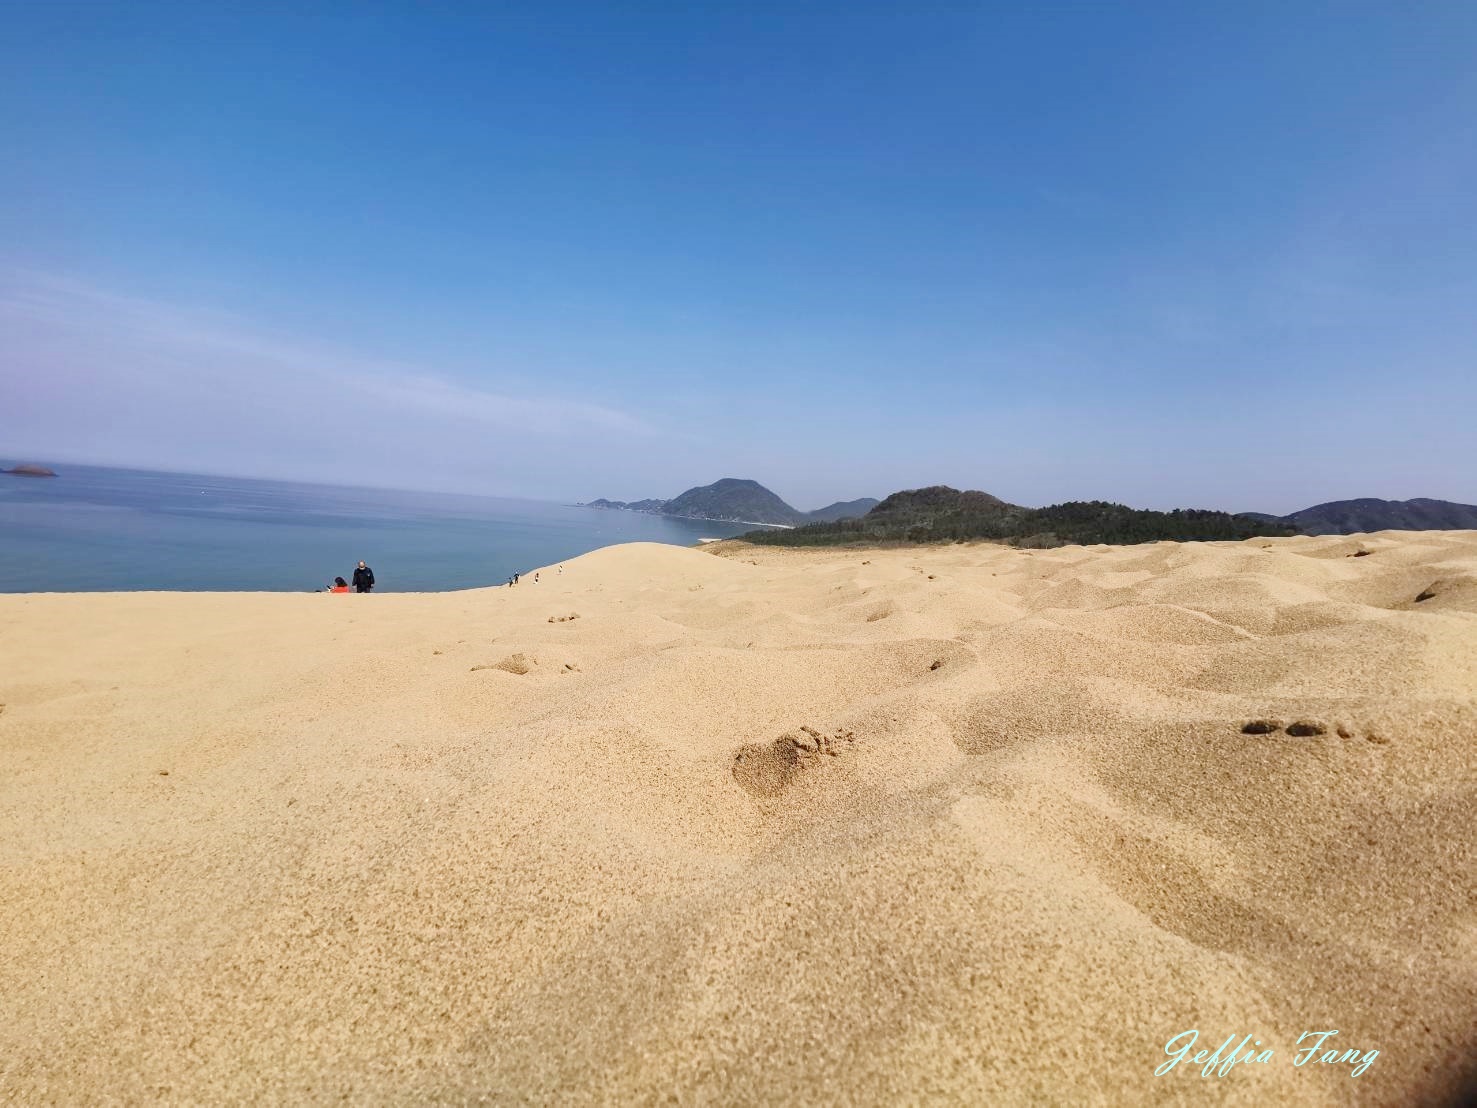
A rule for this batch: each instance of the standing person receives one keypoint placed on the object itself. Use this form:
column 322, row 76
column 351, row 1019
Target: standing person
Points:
column 535, row 577
column 515, row 578
column 363, row 578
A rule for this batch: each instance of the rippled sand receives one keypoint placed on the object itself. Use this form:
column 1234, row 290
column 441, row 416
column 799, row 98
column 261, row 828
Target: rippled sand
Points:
column 959, row 823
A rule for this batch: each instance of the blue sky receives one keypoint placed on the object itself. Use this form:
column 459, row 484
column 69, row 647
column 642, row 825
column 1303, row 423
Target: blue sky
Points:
column 1217, row 255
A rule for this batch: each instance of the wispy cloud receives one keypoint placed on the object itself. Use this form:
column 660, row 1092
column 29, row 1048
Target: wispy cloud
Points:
column 458, row 402
column 94, row 374
column 217, row 342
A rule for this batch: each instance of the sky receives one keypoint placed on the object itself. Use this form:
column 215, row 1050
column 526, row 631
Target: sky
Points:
column 1168, row 254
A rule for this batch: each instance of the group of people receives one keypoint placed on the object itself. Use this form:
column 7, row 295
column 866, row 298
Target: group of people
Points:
column 363, row 580
column 513, row 580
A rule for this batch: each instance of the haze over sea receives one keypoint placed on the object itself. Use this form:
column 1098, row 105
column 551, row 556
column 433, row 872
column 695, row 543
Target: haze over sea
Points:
column 100, row 529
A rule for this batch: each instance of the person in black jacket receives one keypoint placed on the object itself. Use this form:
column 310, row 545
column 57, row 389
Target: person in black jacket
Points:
column 363, row 578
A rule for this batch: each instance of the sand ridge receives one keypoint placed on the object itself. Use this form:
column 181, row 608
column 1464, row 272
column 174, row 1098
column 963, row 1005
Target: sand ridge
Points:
column 961, row 823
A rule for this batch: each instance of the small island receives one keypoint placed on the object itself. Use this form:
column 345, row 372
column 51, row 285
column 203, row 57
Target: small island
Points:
column 30, row 471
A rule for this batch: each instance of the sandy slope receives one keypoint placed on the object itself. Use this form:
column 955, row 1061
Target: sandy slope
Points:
column 312, row 847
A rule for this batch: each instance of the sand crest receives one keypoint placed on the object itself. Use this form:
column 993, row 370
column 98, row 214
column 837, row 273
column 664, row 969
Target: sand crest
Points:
column 956, row 824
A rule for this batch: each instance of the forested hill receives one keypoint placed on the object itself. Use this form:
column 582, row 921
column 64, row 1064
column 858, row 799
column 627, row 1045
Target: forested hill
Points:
column 943, row 514
column 1346, row 517
column 843, row 509
column 733, row 499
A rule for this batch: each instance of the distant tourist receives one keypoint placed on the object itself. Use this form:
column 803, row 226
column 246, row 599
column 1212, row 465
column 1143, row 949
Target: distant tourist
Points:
column 363, row 578
column 561, row 569
column 339, row 585
column 515, row 578
column 535, row 577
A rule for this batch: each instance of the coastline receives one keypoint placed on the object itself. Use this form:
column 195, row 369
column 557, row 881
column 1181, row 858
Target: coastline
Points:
column 182, row 531
column 690, row 519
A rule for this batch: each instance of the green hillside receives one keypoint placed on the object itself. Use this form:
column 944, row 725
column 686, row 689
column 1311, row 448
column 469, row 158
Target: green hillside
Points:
column 943, row 514
column 843, row 509
column 733, row 499
column 1345, row 517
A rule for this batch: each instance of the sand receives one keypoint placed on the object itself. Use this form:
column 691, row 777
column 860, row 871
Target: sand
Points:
column 571, row 841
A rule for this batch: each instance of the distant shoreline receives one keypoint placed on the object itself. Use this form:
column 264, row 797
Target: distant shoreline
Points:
column 174, row 532
column 695, row 519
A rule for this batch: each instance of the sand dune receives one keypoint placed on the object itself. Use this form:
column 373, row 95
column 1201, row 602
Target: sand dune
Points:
column 956, row 824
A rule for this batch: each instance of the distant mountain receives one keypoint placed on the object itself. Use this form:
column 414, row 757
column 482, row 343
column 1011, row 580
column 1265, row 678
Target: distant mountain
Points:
column 940, row 513
column 735, row 500
column 1347, row 517
column 843, row 509
column 28, row 470
column 943, row 514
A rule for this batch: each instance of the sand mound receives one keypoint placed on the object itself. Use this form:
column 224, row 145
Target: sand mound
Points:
column 966, row 824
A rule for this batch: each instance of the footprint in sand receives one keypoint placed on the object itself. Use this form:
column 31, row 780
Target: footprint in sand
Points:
column 1262, row 727
column 519, row 664
column 1300, row 729
column 1305, row 729
column 564, row 619
column 1458, row 592
column 767, row 769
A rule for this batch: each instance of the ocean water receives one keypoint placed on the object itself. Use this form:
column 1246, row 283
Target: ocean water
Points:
column 94, row 529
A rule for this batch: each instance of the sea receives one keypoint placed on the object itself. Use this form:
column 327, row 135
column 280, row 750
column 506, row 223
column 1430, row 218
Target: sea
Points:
column 97, row 529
